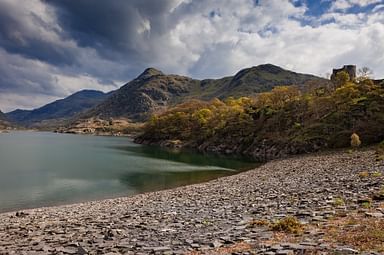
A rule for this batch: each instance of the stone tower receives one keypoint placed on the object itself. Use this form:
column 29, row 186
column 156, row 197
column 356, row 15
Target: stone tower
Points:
column 350, row 69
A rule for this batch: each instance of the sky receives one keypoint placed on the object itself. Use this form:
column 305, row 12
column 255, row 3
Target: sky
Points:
column 50, row 49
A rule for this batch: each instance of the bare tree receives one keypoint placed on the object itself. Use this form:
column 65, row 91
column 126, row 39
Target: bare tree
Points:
column 364, row 73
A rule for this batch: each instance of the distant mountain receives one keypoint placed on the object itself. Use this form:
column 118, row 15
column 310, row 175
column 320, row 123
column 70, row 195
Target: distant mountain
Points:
column 3, row 121
column 60, row 109
column 153, row 91
column 2, row 116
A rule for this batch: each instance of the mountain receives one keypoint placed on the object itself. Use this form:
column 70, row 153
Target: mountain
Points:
column 60, row 109
column 4, row 123
column 153, row 90
column 2, row 116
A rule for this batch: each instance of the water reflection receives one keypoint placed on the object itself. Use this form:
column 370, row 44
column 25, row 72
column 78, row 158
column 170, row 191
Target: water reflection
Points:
column 198, row 168
column 145, row 182
column 189, row 157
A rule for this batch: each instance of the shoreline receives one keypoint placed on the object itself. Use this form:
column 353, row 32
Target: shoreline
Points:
column 202, row 217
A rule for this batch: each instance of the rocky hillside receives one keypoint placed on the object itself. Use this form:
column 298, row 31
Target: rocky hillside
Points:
column 153, row 91
column 57, row 110
column 274, row 124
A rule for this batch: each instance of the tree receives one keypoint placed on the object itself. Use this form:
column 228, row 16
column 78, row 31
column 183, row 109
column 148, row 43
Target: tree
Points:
column 364, row 72
column 341, row 78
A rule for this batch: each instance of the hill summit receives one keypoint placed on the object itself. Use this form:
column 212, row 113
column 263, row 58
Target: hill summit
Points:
column 149, row 72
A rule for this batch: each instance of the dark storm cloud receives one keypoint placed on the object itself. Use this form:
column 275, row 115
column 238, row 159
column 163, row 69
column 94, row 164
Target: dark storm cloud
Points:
column 26, row 76
column 118, row 28
column 18, row 35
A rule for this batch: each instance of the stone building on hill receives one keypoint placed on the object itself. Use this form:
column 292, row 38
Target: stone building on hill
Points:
column 350, row 69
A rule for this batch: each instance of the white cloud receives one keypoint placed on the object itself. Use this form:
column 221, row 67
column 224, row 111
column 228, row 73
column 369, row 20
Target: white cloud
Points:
column 378, row 7
column 11, row 101
column 216, row 46
column 363, row 3
column 343, row 5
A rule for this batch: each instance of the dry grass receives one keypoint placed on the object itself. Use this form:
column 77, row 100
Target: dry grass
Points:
column 258, row 223
column 235, row 248
column 357, row 231
column 289, row 225
column 364, row 174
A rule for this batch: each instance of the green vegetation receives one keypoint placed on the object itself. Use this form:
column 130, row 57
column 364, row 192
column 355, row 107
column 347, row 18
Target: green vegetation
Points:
column 338, row 201
column 286, row 118
column 366, row 203
column 288, row 224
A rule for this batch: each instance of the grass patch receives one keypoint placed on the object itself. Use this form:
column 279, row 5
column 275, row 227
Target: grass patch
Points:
column 288, row 224
column 364, row 174
column 362, row 233
column 258, row 223
column 338, row 201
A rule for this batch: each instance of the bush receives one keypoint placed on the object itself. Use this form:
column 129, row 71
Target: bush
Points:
column 355, row 140
column 288, row 224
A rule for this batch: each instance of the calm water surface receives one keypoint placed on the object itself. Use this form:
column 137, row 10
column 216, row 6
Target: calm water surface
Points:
column 41, row 169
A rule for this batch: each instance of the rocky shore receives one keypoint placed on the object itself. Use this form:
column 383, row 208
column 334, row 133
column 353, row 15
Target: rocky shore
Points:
column 230, row 215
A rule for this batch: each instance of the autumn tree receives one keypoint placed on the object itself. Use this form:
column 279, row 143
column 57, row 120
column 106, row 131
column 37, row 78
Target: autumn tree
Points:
column 341, row 78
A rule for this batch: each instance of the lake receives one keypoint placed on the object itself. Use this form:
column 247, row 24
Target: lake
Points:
column 43, row 169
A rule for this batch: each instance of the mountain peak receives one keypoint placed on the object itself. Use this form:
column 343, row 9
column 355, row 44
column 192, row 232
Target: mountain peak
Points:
column 149, row 72
column 268, row 67
column 87, row 93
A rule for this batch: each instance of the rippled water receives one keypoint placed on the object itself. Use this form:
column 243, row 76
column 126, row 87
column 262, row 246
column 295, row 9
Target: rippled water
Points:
column 41, row 169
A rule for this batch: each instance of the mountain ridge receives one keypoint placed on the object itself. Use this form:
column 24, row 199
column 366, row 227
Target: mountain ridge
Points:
column 59, row 109
column 153, row 90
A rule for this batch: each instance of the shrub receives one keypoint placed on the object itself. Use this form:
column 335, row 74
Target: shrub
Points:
column 338, row 201
column 288, row 224
column 355, row 140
